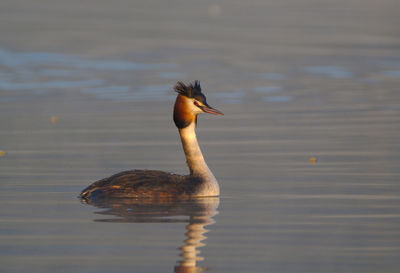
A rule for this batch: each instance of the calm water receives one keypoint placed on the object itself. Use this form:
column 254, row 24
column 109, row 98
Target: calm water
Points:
column 307, row 154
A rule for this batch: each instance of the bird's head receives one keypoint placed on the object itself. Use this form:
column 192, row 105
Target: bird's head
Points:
column 189, row 103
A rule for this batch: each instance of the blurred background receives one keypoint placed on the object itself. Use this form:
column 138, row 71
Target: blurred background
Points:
column 307, row 154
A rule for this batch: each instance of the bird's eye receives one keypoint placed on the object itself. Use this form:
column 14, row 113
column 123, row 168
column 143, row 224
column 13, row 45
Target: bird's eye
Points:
column 196, row 103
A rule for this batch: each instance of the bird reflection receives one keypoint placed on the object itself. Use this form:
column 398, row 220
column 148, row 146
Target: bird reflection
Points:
column 197, row 213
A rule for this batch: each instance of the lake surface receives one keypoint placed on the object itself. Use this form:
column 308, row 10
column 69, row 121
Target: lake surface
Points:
column 307, row 154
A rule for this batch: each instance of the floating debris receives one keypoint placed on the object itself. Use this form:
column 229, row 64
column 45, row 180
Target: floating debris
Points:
column 2, row 153
column 54, row 119
column 313, row 160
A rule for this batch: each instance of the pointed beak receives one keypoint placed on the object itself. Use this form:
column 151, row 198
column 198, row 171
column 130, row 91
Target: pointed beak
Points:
column 210, row 110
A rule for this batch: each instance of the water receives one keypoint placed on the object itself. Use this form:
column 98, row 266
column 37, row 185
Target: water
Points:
column 307, row 154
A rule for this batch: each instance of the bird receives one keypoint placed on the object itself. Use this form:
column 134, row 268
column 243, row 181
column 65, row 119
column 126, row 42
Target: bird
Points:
column 200, row 182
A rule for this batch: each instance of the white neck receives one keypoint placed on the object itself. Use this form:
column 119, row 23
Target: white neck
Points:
column 196, row 163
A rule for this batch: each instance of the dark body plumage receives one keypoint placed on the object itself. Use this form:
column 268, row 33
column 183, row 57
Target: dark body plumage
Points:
column 143, row 184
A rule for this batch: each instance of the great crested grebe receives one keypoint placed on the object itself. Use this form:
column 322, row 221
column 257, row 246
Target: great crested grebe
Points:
column 158, row 184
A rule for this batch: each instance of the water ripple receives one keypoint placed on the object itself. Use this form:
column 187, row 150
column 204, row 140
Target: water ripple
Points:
column 18, row 59
column 391, row 74
column 335, row 72
column 125, row 93
column 7, row 85
column 271, row 76
column 37, row 72
column 267, row 89
column 278, row 98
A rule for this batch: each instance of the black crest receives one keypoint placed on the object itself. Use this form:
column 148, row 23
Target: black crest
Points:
column 192, row 90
